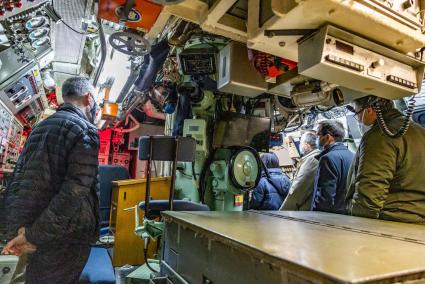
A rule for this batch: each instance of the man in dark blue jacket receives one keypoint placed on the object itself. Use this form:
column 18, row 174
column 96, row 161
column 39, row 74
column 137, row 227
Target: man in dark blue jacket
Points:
column 334, row 163
column 52, row 201
column 273, row 186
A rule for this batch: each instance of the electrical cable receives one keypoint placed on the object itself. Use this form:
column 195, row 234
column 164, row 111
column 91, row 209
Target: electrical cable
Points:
column 193, row 171
column 56, row 16
column 406, row 122
column 184, row 174
column 145, row 255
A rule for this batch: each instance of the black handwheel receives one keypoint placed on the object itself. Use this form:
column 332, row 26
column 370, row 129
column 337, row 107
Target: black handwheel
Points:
column 130, row 43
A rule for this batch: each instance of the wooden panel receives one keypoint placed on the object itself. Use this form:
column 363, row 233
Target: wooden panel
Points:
column 128, row 248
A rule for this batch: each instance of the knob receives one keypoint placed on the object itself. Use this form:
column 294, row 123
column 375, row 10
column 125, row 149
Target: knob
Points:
column 9, row 7
column 18, row 3
column 6, row 270
column 407, row 4
column 378, row 63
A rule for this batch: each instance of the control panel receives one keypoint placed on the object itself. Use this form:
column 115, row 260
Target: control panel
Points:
column 197, row 129
column 121, row 159
column 281, row 25
column 27, row 30
column 341, row 58
column 5, row 119
column 31, row 113
column 14, row 146
column 105, row 146
column 10, row 136
column 24, row 91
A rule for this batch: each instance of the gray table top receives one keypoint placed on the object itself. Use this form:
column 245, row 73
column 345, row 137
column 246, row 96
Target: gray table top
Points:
column 341, row 248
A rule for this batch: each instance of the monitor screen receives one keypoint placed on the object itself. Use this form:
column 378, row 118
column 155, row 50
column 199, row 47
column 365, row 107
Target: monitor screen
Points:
column 235, row 129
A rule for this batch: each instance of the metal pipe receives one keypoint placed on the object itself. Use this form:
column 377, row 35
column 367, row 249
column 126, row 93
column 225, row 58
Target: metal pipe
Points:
column 148, row 178
column 102, row 50
column 173, row 173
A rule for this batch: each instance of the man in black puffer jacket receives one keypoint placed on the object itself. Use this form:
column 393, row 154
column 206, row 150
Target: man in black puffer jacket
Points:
column 52, row 204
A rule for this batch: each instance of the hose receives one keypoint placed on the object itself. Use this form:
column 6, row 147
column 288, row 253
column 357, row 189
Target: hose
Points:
column 406, row 122
column 145, row 255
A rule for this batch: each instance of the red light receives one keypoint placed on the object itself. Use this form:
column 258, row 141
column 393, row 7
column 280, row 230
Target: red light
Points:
column 18, row 4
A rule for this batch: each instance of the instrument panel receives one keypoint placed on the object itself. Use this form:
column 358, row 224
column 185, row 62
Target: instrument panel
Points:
column 10, row 136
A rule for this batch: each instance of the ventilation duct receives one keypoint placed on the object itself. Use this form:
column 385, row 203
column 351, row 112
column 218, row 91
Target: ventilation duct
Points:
column 69, row 39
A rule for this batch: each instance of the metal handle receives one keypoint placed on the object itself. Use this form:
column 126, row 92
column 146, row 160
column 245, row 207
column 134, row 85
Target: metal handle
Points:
column 18, row 94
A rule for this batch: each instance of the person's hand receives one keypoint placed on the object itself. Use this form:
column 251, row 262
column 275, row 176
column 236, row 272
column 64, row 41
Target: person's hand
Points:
column 19, row 245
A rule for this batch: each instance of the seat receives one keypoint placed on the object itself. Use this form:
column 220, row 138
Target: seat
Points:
column 98, row 269
column 108, row 174
column 157, row 206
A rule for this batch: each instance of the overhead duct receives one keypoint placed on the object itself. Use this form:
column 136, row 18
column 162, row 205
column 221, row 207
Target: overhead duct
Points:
column 69, row 38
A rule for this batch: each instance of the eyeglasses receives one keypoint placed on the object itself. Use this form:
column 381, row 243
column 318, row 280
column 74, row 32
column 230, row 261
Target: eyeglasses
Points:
column 355, row 113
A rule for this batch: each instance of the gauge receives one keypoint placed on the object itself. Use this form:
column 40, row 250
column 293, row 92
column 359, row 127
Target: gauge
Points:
column 40, row 42
column 36, row 22
column 38, row 33
column 245, row 169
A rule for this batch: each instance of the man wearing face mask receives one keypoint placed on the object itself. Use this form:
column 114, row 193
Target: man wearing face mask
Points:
column 388, row 180
column 52, row 202
column 301, row 191
column 334, row 163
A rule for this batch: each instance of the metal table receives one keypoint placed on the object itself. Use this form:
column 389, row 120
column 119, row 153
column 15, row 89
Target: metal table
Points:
column 291, row 247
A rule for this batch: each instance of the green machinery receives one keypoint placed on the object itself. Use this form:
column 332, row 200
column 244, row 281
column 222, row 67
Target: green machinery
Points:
column 220, row 176
column 233, row 172
column 187, row 175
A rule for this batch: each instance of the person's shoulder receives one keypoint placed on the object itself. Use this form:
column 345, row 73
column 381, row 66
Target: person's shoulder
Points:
column 312, row 156
column 75, row 122
column 375, row 137
column 417, row 128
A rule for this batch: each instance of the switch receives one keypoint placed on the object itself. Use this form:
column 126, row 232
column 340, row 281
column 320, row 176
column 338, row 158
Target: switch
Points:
column 378, row 63
column 407, row 4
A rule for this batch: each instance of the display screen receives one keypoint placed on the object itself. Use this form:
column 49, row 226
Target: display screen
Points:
column 198, row 61
column 234, row 129
column 193, row 128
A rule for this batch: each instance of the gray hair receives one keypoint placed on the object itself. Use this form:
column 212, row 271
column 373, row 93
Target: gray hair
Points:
column 332, row 127
column 77, row 87
column 309, row 138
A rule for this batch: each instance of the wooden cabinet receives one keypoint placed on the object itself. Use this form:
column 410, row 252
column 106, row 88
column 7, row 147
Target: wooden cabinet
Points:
column 128, row 248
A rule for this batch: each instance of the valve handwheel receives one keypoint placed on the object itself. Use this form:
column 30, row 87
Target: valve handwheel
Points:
column 130, row 43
